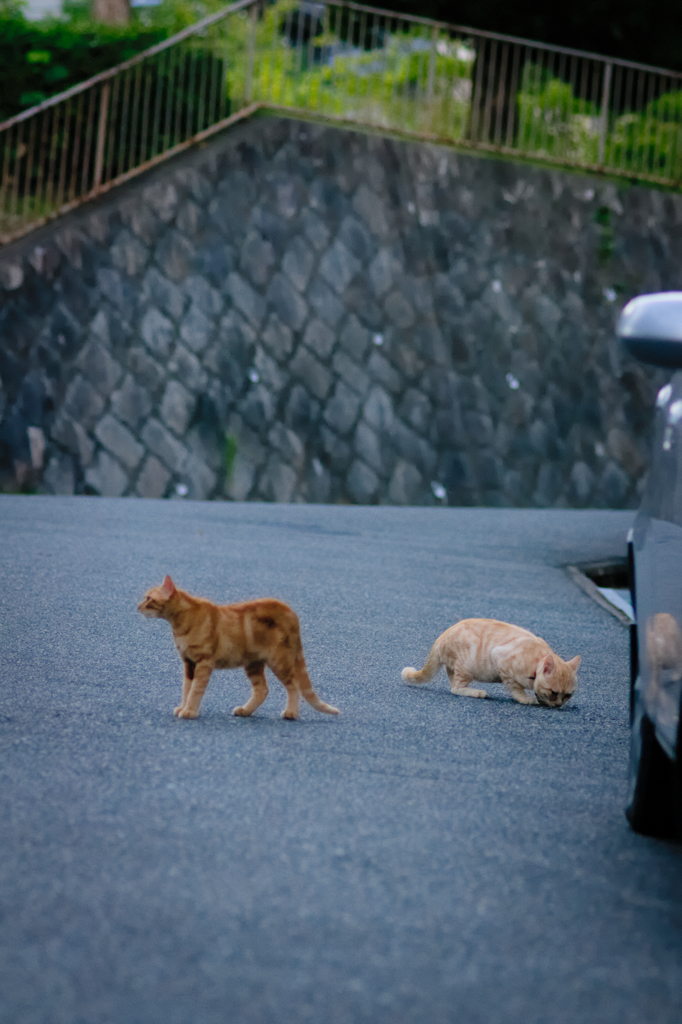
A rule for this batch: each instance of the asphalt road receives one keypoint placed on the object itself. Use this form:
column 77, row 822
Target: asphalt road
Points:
column 420, row 859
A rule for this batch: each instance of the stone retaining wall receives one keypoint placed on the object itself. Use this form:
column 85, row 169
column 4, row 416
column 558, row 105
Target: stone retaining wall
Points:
column 303, row 313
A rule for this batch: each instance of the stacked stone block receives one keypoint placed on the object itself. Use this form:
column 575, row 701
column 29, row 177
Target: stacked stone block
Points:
column 300, row 313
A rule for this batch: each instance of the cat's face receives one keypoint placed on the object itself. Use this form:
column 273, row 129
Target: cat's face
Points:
column 154, row 602
column 555, row 681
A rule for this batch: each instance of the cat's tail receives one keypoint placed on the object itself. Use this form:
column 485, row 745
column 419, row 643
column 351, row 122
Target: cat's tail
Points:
column 307, row 692
column 431, row 668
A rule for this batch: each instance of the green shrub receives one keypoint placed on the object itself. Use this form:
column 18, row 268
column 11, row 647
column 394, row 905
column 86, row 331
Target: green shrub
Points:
column 650, row 142
column 41, row 59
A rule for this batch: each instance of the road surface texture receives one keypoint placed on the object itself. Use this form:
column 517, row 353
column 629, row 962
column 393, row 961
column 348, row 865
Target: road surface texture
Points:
column 421, row 859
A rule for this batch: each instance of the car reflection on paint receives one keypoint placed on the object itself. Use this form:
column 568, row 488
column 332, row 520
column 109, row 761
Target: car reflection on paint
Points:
column 650, row 327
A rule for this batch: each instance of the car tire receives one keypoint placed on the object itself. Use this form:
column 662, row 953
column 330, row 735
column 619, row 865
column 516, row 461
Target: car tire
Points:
column 655, row 806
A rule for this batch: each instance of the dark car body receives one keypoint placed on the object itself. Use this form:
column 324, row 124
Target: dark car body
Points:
column 651, row 329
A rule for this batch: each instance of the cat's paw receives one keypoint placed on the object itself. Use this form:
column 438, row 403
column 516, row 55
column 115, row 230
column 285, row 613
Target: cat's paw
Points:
column 291, row 715
column 177, row 710
column 186, row 713
column 468, row 691
column 241, row 713
column 408, row 674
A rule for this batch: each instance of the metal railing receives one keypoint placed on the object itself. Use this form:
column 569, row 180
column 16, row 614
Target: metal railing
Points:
column 347, row 63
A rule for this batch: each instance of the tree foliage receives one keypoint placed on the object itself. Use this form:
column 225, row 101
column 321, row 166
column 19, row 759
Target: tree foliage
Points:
column 39, row 59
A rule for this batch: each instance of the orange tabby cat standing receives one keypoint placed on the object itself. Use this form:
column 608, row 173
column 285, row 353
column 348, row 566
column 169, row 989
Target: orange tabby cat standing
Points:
column 497, row 652
column 249, row 635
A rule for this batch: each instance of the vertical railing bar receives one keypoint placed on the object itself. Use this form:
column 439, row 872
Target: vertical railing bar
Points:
column 422, row 67
column 539, row 123
column 326, row 34
column 563, row 116
column 112, row 132
column 313, row 82
column 53, row 156
column 223, row 75
column 202, row 58
column 65, row 150
column 512, row 97
column 616, row 104
column 212, row 96
column 354, row 79
column 190, row 92
column 286, row 55
column 448, row 93
column 144, row 132
column 132, row 145
column 481, row 44
column 626, row 112
column 41, row 157
column 386, row 48
column 76, row 148
column 669, row 122
column 7, row 140
column 645, row 153
column 584, row 80
column 314, row 97
column 270, row 62
column 546, row 113
column 657, row 111
column 361, row 47
column 487, row 111
column 535, row 109
column 596, row 92
column 180, row 93
column 415, row 98
column 121, row 162
column 297, row 62
column 638, row 110
column 29, row 164
column 410, row 29
column 45, row 150
column 427, row 65
column 406, row 29
column 604, row 117
column 678, row 145
column 523, row 114
column 169, row 98
column 499, row 105
column 348, row 17
column 661, row 131
column 251, row 54
column 158, row 99
column 101, row 134
column 17, row 170
column 572, row 78
column 432, row 64
column 489, row 88
column 377, row 47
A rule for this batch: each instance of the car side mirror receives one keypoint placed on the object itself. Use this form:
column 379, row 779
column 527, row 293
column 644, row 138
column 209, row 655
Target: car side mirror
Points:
column 650, row 327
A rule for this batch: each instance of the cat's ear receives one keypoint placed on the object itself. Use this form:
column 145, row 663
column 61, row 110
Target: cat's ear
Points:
column 167, row 587
column 548, row 666
column 574, row 663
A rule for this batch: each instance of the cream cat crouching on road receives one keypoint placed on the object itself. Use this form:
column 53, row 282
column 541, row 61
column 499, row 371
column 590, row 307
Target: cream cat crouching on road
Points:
column 497, row 652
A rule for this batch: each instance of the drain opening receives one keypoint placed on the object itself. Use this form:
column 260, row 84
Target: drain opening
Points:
column 607, row 583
